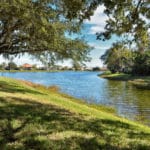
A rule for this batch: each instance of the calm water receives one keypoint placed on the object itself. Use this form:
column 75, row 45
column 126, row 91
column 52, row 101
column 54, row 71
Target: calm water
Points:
column 129, row 102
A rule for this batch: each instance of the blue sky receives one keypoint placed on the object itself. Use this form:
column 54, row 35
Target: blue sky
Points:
column 95, row 24
column 91, row 27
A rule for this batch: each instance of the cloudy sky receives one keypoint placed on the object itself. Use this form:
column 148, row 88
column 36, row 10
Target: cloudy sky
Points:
column 95, row 24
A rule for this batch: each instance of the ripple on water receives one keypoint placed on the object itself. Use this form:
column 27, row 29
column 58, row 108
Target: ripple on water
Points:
column 129, row 102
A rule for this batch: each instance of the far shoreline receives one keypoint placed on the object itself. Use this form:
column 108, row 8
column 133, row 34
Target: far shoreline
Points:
column 141, row 82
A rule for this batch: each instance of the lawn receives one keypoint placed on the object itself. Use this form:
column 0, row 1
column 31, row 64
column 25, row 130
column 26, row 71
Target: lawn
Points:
column 33, row 117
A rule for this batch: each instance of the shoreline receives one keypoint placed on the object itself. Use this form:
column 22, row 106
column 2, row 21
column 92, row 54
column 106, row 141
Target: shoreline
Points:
column 43, row 118
column 141, row 82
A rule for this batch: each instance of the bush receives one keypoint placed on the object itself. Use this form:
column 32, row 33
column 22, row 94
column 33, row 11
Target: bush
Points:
column 142, row 63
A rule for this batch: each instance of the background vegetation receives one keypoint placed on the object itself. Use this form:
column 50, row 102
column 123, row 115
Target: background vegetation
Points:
column 123, row 60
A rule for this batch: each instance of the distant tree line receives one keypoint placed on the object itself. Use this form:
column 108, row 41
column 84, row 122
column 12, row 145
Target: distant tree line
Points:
column 9, row 66
column 75, row 67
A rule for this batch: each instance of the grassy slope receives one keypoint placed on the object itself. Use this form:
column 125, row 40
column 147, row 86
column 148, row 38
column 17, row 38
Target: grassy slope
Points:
column 142, row 82
column 33, row 117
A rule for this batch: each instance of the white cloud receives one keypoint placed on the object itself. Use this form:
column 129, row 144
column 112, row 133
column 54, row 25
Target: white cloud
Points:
column 98, row 20
column 98, row 50
column 95, row 29
column 95, row 63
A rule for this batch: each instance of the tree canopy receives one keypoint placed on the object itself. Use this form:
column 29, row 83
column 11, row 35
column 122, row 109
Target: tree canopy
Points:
column 118, row 58
column 39, row 26
column 121, row 59
column 36, row 26
column 129, row 18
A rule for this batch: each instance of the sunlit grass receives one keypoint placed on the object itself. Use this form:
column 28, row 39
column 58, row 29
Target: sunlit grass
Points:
column 36, row 117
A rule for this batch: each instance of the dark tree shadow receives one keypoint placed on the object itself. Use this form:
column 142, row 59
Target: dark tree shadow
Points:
column 6, row 87
column 32, row 116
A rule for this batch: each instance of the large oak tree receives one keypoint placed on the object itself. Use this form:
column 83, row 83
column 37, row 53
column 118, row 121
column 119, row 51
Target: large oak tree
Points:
column 35, row 26
column 41, row 27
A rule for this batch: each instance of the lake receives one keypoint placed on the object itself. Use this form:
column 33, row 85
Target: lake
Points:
column 129, row 102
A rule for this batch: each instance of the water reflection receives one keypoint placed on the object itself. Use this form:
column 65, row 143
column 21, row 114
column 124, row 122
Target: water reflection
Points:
column 130, row 102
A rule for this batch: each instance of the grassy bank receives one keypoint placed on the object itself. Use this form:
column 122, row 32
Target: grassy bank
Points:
column 35, row 117
column 142, row 82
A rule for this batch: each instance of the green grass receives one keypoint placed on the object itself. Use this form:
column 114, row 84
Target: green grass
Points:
column 117, row 76
column 39, row 118
column 142, row 82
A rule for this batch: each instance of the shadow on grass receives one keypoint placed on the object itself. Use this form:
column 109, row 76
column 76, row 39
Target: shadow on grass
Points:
column 32, row 125
column 6, row 87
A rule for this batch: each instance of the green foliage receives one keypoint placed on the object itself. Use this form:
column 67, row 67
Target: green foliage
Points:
column 142, row 63
column 12, row 66
column 39, row 26
column 75, row 49
column 120, row 59
column 128, row 18
column 3, row 66
column 117, row 58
